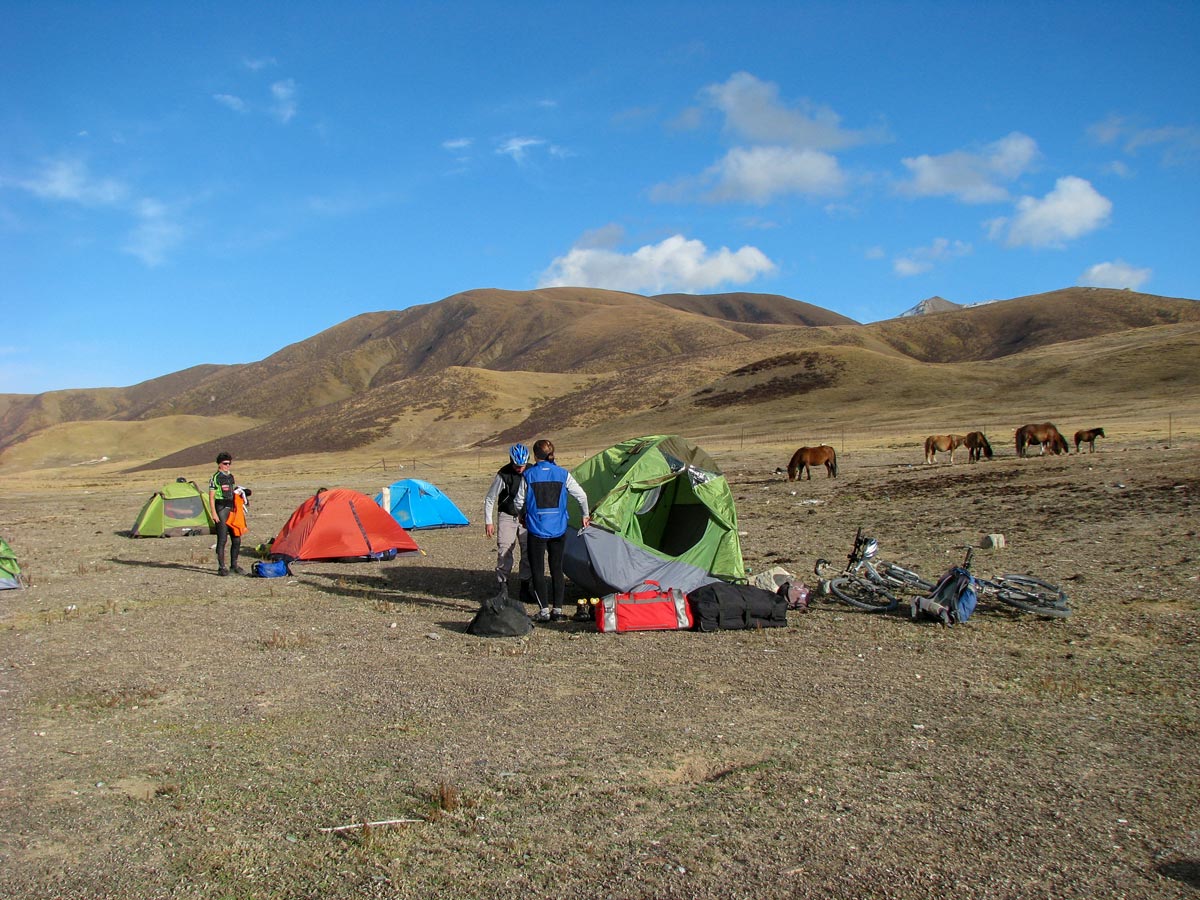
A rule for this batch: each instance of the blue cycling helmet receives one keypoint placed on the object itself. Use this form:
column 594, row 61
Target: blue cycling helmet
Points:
column 519, row 454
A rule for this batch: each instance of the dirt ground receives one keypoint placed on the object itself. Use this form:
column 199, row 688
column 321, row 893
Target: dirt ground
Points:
column 170, row 734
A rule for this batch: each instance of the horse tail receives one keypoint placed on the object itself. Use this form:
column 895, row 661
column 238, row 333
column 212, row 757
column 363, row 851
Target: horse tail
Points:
column 833, row 462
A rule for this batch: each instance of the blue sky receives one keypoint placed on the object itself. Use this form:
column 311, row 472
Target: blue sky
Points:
column 246, row 175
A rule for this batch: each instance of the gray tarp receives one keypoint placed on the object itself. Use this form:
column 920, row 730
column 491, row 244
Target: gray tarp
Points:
column 601, row 562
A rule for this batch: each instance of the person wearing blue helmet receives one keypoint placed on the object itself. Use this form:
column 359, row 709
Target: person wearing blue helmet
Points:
column 500, row 520
column 542, row 501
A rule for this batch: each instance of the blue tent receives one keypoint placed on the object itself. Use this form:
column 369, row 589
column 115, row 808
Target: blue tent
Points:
column 418, row 504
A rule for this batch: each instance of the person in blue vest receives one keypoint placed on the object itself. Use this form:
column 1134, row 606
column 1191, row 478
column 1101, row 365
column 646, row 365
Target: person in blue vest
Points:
column 542, row 502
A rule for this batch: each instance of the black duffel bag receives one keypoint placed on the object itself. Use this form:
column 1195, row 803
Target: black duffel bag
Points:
column 719, row 606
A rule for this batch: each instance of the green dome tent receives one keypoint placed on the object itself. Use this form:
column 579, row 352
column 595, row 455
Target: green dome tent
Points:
column 177, row 508
column 10, row 572
column 661, row 510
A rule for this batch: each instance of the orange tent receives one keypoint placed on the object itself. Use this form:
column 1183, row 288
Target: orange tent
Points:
column 341, row 525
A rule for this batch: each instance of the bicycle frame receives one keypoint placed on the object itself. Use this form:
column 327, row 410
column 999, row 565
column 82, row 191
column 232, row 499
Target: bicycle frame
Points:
column 867, row 583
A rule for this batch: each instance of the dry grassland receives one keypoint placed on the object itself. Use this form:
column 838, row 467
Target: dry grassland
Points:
column 168, row 733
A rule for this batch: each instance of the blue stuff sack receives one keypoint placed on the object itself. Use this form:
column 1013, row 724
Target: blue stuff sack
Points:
column 273, row 569
column 964, row 603
column 952, row 601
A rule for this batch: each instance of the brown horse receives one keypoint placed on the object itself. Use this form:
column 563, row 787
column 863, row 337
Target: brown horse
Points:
column 805, row 457
column 1088, row 437
column 977, row 446
column 942, row 443
column 1045, row 434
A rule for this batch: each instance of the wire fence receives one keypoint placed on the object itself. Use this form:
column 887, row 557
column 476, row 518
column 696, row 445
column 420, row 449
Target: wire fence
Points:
column 846, row 438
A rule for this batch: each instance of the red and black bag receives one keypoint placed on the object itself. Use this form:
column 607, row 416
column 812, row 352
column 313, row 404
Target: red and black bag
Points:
column 650, row 607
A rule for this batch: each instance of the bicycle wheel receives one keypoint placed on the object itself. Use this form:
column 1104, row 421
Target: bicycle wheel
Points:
column 862, row 594
column 907, row 578
column 1033, row 595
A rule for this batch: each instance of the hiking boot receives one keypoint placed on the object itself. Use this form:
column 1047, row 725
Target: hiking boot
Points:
column 237, row 570
column 557, row 615
column 222, row 571
column 542, row 615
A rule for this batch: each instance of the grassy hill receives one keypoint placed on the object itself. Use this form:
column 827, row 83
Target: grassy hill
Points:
column 491, row 366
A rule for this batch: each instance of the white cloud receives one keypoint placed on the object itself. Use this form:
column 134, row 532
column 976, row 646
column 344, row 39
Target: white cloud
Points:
column 237, row 104
column 518, row 147
column 784, row 148
column 971, row 177
column 606, row 236
column 1107, row 131
column 1074, row 208
column 753, row 111
column 1116, row 274
column 286, row 104
column 922, row 259
column 758, row 174
column 1178, row 144
column 155, row 234
column 674, row 264
column 688, row 119
column 255, row 65
column 70, row 180
column 456, row 145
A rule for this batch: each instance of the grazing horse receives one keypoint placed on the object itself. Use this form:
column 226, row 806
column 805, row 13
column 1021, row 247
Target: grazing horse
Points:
column 943, row 443
column 1045, row 434
column 977, row 446
column 805, row 457
column 1088, row 437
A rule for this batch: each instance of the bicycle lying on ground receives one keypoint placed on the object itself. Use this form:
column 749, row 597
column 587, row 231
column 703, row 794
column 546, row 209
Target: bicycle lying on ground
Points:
column 872, row 584
column 867, row 583
column 1023, row 592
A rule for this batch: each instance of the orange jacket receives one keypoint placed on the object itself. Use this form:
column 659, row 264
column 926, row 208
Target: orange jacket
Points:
column 237, row 518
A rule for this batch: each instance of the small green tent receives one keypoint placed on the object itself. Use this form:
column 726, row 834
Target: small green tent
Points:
column 10, row 572
column 661, row 510
column 177, row 508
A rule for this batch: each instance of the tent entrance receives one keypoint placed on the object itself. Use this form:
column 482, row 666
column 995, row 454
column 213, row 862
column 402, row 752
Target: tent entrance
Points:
column 670, row 517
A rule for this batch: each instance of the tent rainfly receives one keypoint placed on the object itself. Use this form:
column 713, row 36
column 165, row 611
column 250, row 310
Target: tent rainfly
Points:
column 177, row 508
column 10, row 572
column 418, row 504
column 341, row 525
column 662, row 510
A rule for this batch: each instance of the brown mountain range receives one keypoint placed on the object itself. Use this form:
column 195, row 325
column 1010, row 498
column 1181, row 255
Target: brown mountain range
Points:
column 490, row 366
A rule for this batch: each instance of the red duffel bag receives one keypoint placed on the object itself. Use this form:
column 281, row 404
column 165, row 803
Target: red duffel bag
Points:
column 648, row 608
